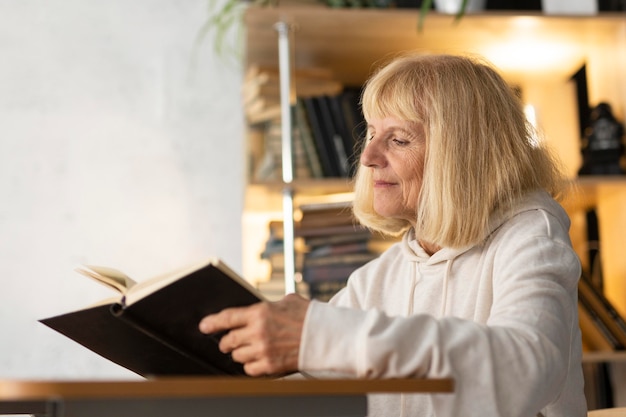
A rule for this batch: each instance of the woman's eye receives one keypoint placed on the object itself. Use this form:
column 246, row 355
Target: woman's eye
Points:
column 400, row 142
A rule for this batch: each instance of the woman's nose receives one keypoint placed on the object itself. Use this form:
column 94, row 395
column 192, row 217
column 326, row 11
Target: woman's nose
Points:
column 371, row 155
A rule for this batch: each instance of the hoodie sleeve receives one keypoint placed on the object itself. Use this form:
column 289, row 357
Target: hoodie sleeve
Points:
column 513, row 365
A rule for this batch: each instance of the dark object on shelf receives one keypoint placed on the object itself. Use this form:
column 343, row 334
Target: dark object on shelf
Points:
column 513, row 5
column 603, row 143
column 593, row 249
column 611, row 5
column 582, row 98
column 409, row 4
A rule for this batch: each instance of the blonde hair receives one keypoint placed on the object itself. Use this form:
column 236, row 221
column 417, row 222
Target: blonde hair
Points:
column 481, row 157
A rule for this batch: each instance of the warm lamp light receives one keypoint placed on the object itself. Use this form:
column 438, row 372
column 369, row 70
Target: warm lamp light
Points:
column 533, row 56
column 533, row 49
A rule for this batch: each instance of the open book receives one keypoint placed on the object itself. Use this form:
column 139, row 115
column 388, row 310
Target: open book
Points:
column 151, row 327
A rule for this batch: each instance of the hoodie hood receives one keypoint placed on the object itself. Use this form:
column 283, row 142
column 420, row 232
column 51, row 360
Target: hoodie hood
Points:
column 535, row 200
column 418, row 258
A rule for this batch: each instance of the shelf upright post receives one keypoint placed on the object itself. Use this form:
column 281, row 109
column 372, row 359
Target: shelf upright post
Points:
column 287, row 95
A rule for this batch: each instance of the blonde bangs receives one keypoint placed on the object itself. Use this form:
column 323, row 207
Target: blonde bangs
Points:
column 390, row 93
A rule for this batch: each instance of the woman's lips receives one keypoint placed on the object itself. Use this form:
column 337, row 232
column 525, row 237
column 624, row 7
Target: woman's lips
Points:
column 382, row 184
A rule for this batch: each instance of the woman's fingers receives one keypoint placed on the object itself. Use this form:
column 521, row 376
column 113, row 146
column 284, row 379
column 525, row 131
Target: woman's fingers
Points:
column 265, row 337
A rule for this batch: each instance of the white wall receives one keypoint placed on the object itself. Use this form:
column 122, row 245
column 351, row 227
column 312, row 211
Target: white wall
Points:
column 119, row 145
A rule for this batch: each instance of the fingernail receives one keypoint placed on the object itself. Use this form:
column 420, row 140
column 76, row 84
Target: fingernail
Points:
column 204, row 326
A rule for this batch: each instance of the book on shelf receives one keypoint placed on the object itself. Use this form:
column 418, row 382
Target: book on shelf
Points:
column 270, row 167
column 608, row 321
column 323, row 143
column 325, row 214
column 305, row 135
column 593, row 248
column 345, row 110
column 337, row 229
column 151, row 327
column 260, row 91
column 596, row 337
column 314, row 242
column 332, row 135
column 339, row 272
column 338, row 126
column 332, row 259
column 325, row 290
column 326, row 250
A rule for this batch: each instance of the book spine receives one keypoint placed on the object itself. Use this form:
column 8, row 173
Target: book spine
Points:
column 304, row 129
column 603, row 308
column 595, row 333
column 615, row 316
column 322, row 273
column 332, row 135
column 323, row 150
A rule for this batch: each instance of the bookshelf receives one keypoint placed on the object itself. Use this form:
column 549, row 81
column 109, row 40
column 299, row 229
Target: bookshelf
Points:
column 535, row 52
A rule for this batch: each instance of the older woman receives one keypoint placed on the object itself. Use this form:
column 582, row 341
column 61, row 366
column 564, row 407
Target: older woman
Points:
column 482, row 287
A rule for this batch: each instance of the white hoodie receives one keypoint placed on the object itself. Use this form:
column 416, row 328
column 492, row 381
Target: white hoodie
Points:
column 500, row 318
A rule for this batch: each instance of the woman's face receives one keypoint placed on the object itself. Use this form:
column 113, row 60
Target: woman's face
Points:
column 395, row 152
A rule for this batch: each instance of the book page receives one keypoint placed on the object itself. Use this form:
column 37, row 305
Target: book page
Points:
column 147, row 287
column 109, row 277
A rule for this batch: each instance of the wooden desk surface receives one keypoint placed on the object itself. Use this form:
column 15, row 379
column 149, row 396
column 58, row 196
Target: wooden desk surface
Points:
column 23, row 390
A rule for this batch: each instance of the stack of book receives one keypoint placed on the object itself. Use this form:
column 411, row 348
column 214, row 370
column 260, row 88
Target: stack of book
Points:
column 330, row 245
column 260, row 91
column 335, row 245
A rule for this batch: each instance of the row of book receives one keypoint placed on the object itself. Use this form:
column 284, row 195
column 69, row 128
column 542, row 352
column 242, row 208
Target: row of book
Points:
column 327, row 124
column 330, row 246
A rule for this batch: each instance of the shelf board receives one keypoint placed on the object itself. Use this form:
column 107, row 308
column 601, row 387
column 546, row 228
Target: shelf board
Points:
column 314, row 186
column 350, row 41
column 266, row 196
column 587, row 190
column 611, row 356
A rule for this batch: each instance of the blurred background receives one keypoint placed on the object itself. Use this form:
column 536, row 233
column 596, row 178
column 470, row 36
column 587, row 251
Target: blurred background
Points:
column 121, row 144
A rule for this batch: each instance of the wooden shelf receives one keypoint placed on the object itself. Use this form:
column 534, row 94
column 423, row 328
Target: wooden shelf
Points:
column 585, row 192
column 351, row 40
column 595, row 357
column 588, row 191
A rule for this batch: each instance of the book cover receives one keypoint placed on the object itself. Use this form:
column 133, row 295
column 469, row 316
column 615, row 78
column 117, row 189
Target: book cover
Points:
column 332, row 135
column 151, row 328
column 595, row 335
column 325, row 152
column 329, row 272
column 603, row 309
column 345, row 128
column 306, row 135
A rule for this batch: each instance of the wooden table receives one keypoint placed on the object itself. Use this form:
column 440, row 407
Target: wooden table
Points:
column 204, row 397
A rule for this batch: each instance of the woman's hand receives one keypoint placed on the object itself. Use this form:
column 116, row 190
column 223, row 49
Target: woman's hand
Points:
column 265, row 337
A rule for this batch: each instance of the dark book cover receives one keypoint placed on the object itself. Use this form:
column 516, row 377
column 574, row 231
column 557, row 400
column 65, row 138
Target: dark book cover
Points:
column 303, row 127
column 356, row 124
column 329, row 272
column 324, row 150
column 343, row 128
column 157, row 334
column 332, row 135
